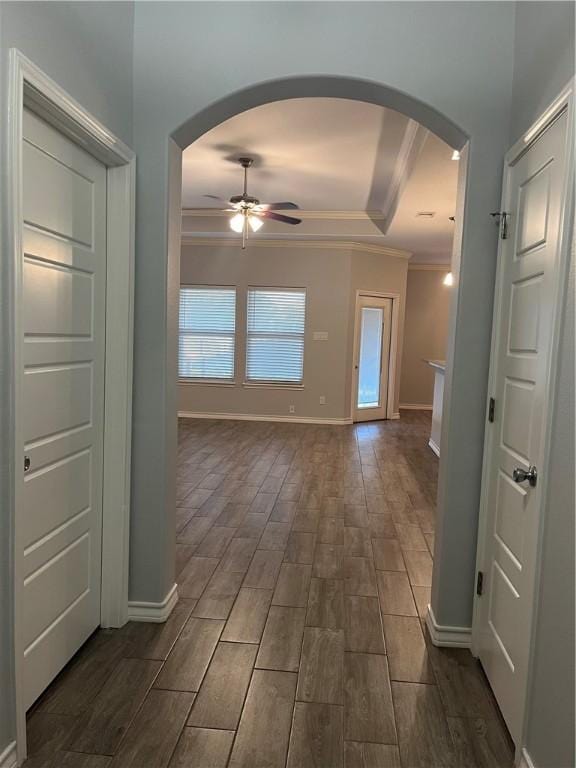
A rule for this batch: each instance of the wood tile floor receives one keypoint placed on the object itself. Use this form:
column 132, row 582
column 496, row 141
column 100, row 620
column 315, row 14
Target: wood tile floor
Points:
column 304, row 559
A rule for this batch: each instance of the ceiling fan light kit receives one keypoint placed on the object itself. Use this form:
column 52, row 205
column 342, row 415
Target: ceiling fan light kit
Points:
column 249, row 211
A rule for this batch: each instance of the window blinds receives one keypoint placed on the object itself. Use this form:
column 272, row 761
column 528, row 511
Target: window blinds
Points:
column 207, row 328
column 275, row 335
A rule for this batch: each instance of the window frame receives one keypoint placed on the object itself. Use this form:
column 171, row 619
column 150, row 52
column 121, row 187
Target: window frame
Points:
column 275, row 383
column 211, row 381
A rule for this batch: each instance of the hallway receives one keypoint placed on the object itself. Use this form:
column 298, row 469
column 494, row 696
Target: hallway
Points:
column 304, row 559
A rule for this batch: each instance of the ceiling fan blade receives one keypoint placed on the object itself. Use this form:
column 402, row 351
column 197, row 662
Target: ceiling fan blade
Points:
column 219, row 199
column 279, row 217
column 285, row 206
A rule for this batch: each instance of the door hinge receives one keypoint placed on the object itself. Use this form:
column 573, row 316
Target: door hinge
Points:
column 502, row 220
column 479, row 583
column 491, row 410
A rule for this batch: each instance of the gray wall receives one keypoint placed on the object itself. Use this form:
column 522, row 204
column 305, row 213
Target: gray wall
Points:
column 195, row 60
column 87, row 49
column 425, row 333
column 543, row 64
column 331, row 279
column 543, row 59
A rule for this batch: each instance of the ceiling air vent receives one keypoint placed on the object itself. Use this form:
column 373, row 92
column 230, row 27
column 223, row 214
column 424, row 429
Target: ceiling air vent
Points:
column 425, row 214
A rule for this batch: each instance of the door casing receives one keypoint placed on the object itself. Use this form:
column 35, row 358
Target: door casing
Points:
column 565, row 101
column 29, row 87
column 394, row 330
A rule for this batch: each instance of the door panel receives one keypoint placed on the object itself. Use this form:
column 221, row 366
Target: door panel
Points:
column 51, row 590
column 61, row 490
column 370, row 360
column 58, row 399
column 534, row 195
column 48, row 313
column 510, row 511
column 59, row 502
column 527, row 279
column 69, row 213
column 372, row 353
column 525, row 315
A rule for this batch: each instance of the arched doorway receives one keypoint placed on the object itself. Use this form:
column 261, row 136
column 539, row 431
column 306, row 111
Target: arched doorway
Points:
column 319, row 86
column 454, row 552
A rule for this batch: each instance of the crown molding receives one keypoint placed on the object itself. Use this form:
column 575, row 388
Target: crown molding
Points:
column 412, row 143
column 429, row 267
column 209, row 213
column 340, row 245
column 381, row 250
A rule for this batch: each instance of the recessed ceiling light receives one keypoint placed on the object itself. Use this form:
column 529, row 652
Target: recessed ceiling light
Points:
column 425, row 214
column 455, row 155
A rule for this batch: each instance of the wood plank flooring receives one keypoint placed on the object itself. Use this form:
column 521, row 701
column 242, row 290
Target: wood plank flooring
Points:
column 304, row 562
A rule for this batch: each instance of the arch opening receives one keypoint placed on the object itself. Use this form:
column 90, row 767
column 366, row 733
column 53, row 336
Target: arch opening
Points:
column 338, row 87
column 351, row 88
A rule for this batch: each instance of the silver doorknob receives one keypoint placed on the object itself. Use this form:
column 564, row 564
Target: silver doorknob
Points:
column 521, row 475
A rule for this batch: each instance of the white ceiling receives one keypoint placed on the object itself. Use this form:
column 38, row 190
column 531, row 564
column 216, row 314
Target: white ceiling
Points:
column 330, row 155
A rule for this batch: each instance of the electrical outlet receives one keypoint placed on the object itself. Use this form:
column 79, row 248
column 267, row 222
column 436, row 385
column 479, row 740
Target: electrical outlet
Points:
column 291, row 409
column 322, row 400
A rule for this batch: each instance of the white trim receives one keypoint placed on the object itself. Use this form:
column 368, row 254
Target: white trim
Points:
column 415, row 267
column 260, row 417
column 434, row 446
column 208, row 213
column 29, row 87
column 564, row 102
column 525, row 759
column 206, row 383
column 120, row 265
column 271, row 385
column 153, row 612
column 447, row 637
column 8, row 758
column 188, row 238
column 415, row 406
column 395, row 415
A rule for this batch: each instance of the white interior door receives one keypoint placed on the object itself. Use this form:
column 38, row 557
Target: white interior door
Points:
column 61, row 400
column 522, row 340
column 372, row 357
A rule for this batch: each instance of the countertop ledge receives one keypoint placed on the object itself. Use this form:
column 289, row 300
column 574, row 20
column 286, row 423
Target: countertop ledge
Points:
column 438, row 364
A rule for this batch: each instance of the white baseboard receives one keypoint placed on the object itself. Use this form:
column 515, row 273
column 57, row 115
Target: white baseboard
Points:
column 415, row 407
column 254, row 417
column 154, row 612
column 525, row 760
column 435, row 447
column 9, row 758
column 396, row 415
column 447, row 637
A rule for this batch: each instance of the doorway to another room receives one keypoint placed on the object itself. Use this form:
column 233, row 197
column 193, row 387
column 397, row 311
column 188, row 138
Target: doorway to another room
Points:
column 372, row 356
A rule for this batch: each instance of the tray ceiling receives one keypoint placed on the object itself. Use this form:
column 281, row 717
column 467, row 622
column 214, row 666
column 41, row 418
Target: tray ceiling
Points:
column 358, row 170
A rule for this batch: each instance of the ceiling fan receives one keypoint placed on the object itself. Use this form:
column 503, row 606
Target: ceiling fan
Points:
column 249, row 211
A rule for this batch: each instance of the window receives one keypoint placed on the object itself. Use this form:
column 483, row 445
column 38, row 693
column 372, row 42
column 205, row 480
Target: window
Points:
column 206, row 338
column 275, row 340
